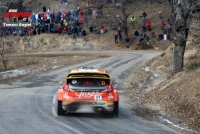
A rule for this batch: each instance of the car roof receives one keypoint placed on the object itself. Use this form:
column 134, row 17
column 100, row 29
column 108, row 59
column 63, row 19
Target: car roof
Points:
column 88, row 70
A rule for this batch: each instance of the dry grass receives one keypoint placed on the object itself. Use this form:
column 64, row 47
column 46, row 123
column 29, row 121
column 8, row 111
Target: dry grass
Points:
column 178, row 96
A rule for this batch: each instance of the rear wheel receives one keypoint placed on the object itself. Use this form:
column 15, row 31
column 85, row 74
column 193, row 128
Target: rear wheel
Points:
column 115, row 112
column 60, row 111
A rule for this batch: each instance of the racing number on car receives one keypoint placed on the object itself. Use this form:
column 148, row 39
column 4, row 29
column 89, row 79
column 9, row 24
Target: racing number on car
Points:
column 103, row 83
column 97, row 97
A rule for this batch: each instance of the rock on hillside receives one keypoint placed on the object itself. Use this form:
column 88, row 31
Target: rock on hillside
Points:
column 55, row 42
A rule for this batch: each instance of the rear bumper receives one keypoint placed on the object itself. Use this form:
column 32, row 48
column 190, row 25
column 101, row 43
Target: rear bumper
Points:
column 88, row 107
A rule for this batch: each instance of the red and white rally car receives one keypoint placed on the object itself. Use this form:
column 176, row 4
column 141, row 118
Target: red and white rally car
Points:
column 87, row 90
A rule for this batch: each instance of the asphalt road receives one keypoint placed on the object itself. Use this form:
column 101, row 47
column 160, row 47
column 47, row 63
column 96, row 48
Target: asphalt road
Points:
column 27, row 105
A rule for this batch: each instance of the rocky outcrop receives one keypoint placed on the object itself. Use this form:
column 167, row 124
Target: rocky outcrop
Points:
column 54, row 42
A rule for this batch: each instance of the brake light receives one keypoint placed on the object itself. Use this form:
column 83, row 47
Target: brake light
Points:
column 110, row 88
column 66, row 87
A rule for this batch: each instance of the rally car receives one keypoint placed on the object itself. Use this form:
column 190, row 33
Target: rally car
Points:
column 87, row 90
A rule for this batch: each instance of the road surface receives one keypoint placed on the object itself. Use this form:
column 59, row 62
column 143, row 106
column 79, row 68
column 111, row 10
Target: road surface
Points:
column 27, row 105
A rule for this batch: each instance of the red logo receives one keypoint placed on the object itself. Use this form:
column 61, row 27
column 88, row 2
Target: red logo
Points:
column 17, row 14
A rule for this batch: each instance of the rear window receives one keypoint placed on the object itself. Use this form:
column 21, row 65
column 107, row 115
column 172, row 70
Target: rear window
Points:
column 88, row 83
column 88, row 74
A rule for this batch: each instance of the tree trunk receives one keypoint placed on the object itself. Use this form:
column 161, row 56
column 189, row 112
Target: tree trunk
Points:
column 124, row 28
column 182, row 23
column 178, row 58
column 5, row 65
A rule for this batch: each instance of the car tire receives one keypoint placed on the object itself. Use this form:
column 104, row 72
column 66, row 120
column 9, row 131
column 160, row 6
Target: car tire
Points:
column 116, row 109
column 60, row 111
column 115, row 112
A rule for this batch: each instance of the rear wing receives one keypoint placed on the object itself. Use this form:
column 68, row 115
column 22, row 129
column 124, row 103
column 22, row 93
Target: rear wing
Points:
column 88, row 75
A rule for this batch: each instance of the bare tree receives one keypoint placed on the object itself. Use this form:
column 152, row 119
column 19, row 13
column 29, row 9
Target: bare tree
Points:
column 6, row 50
column 125, row 15
column 182, row 14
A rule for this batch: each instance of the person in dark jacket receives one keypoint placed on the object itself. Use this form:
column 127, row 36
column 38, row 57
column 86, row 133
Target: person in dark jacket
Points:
column 91, row 28
column 79, row 31
column 44, row 9
column 127, row 42
column 83, row 32
column 136, row 34
column 74, row 31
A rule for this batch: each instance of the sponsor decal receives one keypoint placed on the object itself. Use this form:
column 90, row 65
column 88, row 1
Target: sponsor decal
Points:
column 101, row 103
column 110, row 97
column 88, row 103
column 86, row 93
column 74, row 82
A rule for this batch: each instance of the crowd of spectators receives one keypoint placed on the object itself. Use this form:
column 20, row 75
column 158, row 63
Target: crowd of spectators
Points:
column 146, row 29
column 61, row 22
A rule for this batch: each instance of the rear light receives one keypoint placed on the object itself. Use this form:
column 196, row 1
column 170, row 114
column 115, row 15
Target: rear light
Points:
column 66, row 87
column 110, row 88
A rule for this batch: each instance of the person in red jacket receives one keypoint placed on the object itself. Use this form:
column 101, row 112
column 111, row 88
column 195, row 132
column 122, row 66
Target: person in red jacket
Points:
column 64, row 30
column 101, row 28
column 149, row 25
column 163, row 24
column 116, row 36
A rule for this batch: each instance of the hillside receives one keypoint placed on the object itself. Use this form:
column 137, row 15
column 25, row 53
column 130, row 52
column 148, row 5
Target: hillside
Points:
column 161, row 95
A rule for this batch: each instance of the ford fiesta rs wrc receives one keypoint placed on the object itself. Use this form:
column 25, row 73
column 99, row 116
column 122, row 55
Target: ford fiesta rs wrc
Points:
column 88, row 90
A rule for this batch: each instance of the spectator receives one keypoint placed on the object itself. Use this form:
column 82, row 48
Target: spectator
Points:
column 144, row 28
column 120, row 23
column 133, row 19
column 68, row 16
column 48, row 10
column 120, row 35
column 34, row 31
column 144, row 21
column 136, row 34
column 44, row 9
column 89, row 11
column 94, row 12
column 153, row 35
column 74, row 31
column 14, row 32
column 167, row 28
column 81, row 14
column 91, row 28
column 146, row 37
column 149, row 25
column 78, row 11
column 83, row 32
column 21, row 33
column 25, row 31
column 52, row 30
column 141, row 37
column 38, row 30
column 160, row 15
column 101, row 29
column 116, row 36
column 127, row 42
column 82, row 20
column 160, row 37
column 88, row 4
column 144, row 14
column 64, row 30
column 163, row 24
column 79, row 31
